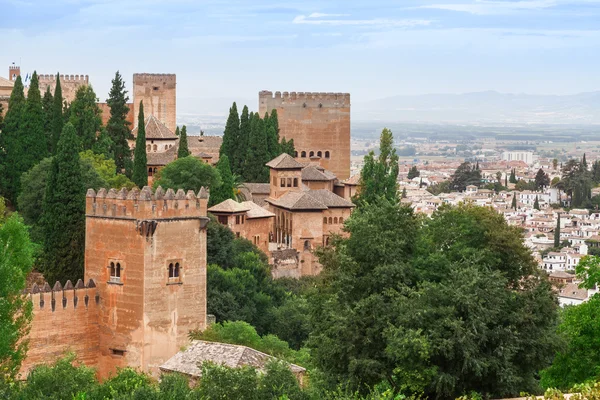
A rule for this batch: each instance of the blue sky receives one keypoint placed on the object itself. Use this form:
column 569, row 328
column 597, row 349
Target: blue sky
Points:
column 372, row 49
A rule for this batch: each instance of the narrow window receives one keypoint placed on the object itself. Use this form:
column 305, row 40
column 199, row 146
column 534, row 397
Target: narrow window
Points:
column 311, row 154
column 282, row 182
column 319, row 154
column 155, row 147
column 303, row 154
column 117, row 352
column 307, row 245
column 115, row 272
column 222, row 219
column 150, row 171
column 330, row 221
column 341, row 220
column 148, row 148
column 295, row 182
column 325, row 220
column 335, row 220
column 174, row 272
column 289, row 182
column 327, row 154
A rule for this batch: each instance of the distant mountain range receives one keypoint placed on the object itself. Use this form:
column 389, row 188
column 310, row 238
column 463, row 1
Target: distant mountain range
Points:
column 488, row 107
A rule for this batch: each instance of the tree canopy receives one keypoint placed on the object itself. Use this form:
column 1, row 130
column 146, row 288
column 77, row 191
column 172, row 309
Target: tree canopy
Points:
column 140, row 163
column 86, row 116
column 187, row 173
column 466, row 174
column 117, row 127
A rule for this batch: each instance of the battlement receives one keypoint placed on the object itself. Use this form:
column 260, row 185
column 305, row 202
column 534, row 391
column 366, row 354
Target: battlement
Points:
column 155, row 77
column 143, row 204
column 45, row 298
column 64, row 78
column 323, row 98
column 14, row 67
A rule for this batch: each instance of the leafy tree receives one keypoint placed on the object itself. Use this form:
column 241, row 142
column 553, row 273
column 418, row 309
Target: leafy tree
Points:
column 140, row 163
column 11, row 145
column 224, row 249
column 392, row 304
column 577, row 182
column 187, row 173
column 513, row 176
column 536, row 203
column 257, row 154
column 465, row 175
column 379, row 176
column 16, row 260
column 63, row 220
column 413, row 172
column 522, row 184
column 86, row 116
column 554, row 164
column 541, row 179
column 225, row 190
column 579, row 360
column 588, row 271
column 442, row 187
column 117, row 126
column 57, row 115
column 104, row 145
column 231, row 137
column 557, row 232
column 183, row 150
column 242, row 143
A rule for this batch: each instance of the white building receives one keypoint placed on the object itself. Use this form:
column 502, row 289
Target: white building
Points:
column 526, row 156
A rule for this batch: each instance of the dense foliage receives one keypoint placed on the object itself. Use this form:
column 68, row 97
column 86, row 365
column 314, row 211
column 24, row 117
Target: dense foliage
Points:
column 183, row 150
column 465, row 175
column 140, row 158
column 187, row 173
column 86, row 116
column 117, row 127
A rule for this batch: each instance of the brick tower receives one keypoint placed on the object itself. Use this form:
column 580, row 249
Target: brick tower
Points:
column 13, row 72
column 146, row 254
column 158, row 92
column 319, row 123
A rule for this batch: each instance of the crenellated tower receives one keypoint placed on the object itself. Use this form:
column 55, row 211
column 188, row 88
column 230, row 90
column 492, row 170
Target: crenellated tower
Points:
column 319, row 123
column 158, row 92
column 13, row 72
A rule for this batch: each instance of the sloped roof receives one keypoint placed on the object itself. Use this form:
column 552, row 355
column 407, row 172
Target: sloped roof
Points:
column 314, row 173
column 201, row 146
column 573, row 291
column 155, row 129
column 258, row 188
column 229, row 206
column 162, row 158
column 353, row 180
column 330, row 199
column 256, row 211
column 189, row 360
column 320, row 199
column 284, row 161
column 6, row 82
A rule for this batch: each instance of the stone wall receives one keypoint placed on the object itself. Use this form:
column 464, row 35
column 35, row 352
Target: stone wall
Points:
column 319, row 123
column 64, row 319
column 106, row 114
column 159, row 94
column 68, row 84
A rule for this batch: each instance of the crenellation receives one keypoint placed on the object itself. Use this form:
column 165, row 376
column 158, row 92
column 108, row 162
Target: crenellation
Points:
column 60, row 297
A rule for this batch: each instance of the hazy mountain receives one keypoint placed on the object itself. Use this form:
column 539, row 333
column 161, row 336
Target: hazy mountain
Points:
column 482, row 108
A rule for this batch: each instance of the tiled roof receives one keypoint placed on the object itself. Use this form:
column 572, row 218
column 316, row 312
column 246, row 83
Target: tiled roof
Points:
column 200, row 146
column 6, row 82
column 321, row 199
column 163, row 158
column 353, row 180
column 329, row 198
column 284, row 161
column 314, row 173
column 229, row 206
column 572, row 291
column 189, row 360
column 155, row 130
column 256, row 211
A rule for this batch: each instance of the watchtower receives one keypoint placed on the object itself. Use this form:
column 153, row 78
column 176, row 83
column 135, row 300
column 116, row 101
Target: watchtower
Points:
column 13, row 72
column 158, row 92
column 146, row 252
column 319, row 123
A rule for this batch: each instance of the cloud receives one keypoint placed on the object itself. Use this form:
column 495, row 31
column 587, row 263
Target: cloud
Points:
column 488, row 7
column 315, row 19
column 322, row 15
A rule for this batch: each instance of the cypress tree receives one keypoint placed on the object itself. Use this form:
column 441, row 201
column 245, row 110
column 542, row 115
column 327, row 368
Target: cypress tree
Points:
column 271, row 125
column 404, row 193
column 177, row 131
column 584, row 162
column 536, row 203
column 85, row 115
column 104, row 145
column 117, row 126
column 557, row 232
column 257, row 156
column 63, row 220
column 505, row 181
column 274, row 121
column 231, row 136
column 11, row 146
column 48, row 107
column 183, row 150
column 288, row 147
column 225, row 190
column 513, row 205
column 57, row 115
column 242, row 143
column 140, row 161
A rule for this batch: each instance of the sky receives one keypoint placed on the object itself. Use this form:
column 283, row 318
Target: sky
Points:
column 372, row 49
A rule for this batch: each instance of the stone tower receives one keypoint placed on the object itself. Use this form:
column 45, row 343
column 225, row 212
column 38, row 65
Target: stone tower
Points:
column 13, row 72
column 158, row 92
column 319, row 123
column 146, row 254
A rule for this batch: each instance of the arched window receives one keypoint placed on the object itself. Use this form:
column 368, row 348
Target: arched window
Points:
column 341, row 220
column 148, row 147
column 327, row 241
column 115, row 272
column 325, row 220
column 295, row 182
column 319, row 154
column 282, row 182
column 311, row 154
column 303, row 154
column 306, row 245
column 327, row 154
column 330, row 220
column 155, row 147
column 174, row 270
column 289, row 182
column 335, row 220
column 150, row 171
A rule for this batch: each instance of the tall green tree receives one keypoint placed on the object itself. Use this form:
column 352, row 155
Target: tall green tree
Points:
column 413, row 172
column 64, row 213
column 542, row 179
column 241, row 148
column 57, row 115
column 391, row 305
column 183, row 150
column 140, row 159
column 288, row 147
column 257, row 154
column 231, row 136
column 34, row 126
column 117, row 126
column 225, row 190
column 86, row 116
column 272, row 126
column 48, row 107
column 177, row 131
column 12, row 147
column 584, row 162
column 466, row 174
column 513, row 204
column 536, row 203
column 16, row 260
column 513, row 176
column 557, row 232
column 379, row 176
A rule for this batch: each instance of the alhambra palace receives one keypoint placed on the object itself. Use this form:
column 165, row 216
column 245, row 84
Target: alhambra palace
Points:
column 144, row 286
